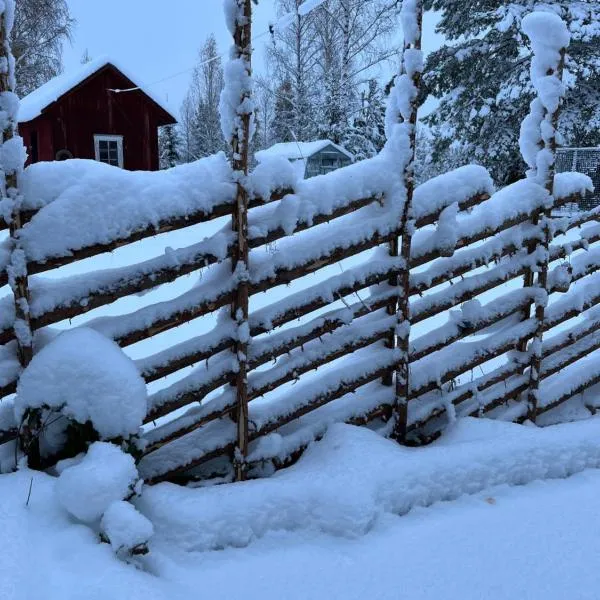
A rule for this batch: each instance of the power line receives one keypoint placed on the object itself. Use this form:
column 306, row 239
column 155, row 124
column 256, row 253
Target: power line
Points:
column 223, row 55
column 281, row 23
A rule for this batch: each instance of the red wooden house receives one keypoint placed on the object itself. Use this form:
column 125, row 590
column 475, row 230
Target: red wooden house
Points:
column 79, row 115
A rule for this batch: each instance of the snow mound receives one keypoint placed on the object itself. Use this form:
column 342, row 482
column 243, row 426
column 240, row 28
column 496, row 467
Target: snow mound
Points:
column 86, row 202
column 103, row 476
column 272, row 173
column 125, row 527
column 345, row 483
column 570, row 183
column 88, row 378
column 455, row 186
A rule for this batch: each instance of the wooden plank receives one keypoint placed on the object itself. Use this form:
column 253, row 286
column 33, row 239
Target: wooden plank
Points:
column 320, row 399
column 166, row 225
column 26, row 216
column 493, row 279
column 467, row 330
column 214, row 410
column 482, row 356
column 159, row 369
column 296, row 371
column 9, row 388
column 192, row 396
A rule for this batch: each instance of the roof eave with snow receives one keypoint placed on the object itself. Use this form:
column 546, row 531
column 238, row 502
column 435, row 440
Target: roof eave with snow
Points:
column 300, row 150
column 34, row 104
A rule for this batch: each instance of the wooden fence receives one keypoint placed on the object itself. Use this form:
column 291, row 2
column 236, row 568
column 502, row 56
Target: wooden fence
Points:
column 464, row 243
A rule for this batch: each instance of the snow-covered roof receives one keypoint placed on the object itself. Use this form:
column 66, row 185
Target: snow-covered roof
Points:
column 32, row 105
column 299, row 150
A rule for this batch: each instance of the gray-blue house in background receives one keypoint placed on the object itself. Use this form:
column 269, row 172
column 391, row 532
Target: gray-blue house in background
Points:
column 310, row 158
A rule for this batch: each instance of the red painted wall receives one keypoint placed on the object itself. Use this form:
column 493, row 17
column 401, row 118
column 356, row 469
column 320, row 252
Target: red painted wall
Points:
column 89, row 109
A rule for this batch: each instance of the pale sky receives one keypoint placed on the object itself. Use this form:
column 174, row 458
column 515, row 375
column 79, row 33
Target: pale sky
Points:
column 158, row 41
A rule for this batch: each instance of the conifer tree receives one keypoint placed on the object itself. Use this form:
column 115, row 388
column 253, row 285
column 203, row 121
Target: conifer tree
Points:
column 282, row 127
column 366, row 137
column 169, row 146
column 481, row 76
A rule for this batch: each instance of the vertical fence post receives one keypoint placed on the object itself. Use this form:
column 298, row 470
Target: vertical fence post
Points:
column 542, row 278
column 12, row 160
column 412, row 67
column 237, row 123
column 543, row 169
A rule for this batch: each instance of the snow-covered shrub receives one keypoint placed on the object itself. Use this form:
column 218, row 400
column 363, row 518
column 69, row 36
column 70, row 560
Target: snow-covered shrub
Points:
column 126, row 529
column 91, row 484
column 87, row 379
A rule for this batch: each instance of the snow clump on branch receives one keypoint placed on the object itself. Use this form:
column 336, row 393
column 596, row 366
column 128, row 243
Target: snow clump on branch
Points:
column 549, row 38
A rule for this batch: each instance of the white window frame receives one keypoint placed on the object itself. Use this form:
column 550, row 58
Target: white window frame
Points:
column 101, row 137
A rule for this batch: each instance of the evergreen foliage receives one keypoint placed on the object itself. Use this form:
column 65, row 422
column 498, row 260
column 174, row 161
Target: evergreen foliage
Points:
column 481, row 76
column 282, row 127
column 169, row 146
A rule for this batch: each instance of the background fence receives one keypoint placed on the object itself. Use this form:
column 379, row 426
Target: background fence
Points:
column 405, row 338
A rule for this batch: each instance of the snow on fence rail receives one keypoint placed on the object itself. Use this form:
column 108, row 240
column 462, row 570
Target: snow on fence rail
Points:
column 245, row 391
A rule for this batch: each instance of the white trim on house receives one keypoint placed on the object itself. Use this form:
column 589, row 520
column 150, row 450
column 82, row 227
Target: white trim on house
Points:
column 101, row 137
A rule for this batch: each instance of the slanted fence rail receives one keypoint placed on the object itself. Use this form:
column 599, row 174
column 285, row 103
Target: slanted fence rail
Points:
column 494, row 231
column 470, row 349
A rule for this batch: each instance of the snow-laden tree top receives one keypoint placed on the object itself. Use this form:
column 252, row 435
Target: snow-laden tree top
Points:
column 481, row 75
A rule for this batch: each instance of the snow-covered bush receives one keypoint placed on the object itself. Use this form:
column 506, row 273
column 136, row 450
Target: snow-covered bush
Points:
column 88, row 486
column 87, row 379
column 126, row 529
column 94, row 487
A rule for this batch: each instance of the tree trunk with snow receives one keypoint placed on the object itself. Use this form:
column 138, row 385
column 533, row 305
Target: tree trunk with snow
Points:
column 12, row 160
column 237, row 122
column 412, row 67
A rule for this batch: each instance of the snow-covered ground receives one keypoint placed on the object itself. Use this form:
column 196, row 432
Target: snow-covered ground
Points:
column 493, row 511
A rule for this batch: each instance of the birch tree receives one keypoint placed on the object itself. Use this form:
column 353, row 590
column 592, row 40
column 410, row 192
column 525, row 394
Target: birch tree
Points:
column 294, row 54
column 356, row 39
column 200, row 109
column 328, row 57
column 41, row 27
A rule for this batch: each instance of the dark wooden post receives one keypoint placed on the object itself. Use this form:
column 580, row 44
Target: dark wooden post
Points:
column 550, row 145
column 240, row 144
column 407, row 225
